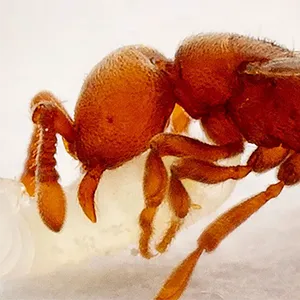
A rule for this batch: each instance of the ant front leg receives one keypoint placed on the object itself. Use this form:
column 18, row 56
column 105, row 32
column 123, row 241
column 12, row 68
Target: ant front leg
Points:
column 155, row 178
column 262, row 159
column 40, row 176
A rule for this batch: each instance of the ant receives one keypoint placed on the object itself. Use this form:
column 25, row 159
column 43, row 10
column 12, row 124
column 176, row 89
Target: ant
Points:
column 242, row 89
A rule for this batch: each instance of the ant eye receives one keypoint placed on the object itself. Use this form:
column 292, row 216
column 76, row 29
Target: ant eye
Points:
column 153, row 61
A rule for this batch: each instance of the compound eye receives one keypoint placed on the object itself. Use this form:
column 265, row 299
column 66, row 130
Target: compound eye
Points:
column 153, row 60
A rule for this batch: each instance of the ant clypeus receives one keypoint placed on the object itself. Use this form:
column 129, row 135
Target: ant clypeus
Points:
column 240, row 88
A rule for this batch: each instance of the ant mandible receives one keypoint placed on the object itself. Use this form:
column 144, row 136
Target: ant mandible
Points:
column 241, row 89
column 125, row 101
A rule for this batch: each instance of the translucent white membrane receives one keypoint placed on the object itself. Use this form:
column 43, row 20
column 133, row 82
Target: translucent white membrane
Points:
column 27, row 246
column 259, row 261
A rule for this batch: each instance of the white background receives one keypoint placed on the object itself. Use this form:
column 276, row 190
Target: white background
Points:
column 53, row 45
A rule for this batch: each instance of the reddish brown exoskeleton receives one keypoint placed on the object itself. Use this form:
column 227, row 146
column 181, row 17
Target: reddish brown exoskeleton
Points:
column 125, row 101
column 242, row 90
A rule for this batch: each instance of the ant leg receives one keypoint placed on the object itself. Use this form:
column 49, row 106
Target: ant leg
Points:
column 39, row 171
column 207, row 172
column 217, row 231
column 87, row 189
column 180, row 120
column 168, row 144
column 179, row 199
column 155, row 176
column 261, row 160
column 180, row 202
column 197, row 164
column 211, row 238
column 155, row 186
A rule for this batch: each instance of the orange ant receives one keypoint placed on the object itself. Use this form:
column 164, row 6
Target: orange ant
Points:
column 241, row 89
